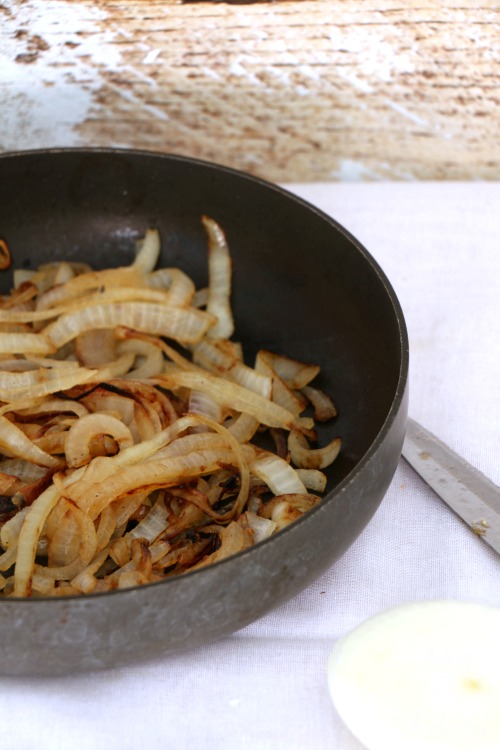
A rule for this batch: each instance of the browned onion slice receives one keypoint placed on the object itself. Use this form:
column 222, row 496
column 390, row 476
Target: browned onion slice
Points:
column 131, row 426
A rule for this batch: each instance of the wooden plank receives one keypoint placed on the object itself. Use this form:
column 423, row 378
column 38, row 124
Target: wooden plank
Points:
column 298, row 91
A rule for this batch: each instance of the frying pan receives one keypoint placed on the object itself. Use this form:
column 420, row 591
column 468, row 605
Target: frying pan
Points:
column 303, row 286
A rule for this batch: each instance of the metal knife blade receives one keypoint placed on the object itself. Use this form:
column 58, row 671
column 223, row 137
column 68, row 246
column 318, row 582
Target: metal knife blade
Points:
column 470, row 494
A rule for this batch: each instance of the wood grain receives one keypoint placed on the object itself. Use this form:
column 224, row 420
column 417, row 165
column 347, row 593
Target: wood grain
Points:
column 292, row 91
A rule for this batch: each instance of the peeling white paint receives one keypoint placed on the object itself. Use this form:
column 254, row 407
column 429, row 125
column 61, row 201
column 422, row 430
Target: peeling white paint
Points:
column 350, row 170
column 382, row 61
column 42, row 100
column 354, row 80
column 238, row 69
column 210, row 73
column 152, row 57
column 128, row 96
column 91, row 69
column 309, row 71
column 412, row 116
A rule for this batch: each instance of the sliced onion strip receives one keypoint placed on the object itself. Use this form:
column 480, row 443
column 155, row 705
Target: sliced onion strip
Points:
column 312, row 458
column 219, row 284
column 130, row 456
column 186, row 325
column 79, row 436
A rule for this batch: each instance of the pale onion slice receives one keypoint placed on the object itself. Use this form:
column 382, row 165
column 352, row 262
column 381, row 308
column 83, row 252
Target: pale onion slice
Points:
column 232, row 395
column 282, row 394
column 186, row 325
column 8, row 558
column 52, row 298
column 42, row 586
column 422, row 676
column 64, row 273
column 109, row 278
column 146, row 423
column 203, row 403
column 285, row 509
column 8, row 484
column 280, row 477
column 124, row 333
column 64, row 544
column 21, row 276
column 50, row 363
column 305, row 457
column 200, row 298
column 181, row 288
column 17, row 365
column 106, row 527
column 13, row 441
column 262, row 528
column 324, row 408
column 9, row 533
column 146, row 394
column 233, row 540
column 54, row 405
column 88, row 427
column 20, row 299
column 87, row 538
column 135, row 572
column 116, row 369
column 244, row 427
column 152, row 525
column 148, row 251
column 25, row 343
column 28, row 537
column 219, row 361
column 295, row 374
column 85, row 581
column 33, row 523
column 219, row 281
column 96, row 347
column 124, row 508
column 60, row 380
column 150, row 358
column 148, row 530
column 24, row 470
column 71, row 305
column 232, row 348
column 313, row 479
column 186, row 444
column 10, row 382
column 117, row 404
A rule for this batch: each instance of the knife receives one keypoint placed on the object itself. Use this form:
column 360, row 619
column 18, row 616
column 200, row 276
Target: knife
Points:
column 470, row 494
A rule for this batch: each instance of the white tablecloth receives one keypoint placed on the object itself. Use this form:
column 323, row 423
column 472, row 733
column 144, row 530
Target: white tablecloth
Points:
column 265, row 687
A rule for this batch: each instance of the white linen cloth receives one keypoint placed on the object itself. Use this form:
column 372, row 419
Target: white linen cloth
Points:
column 265, row 687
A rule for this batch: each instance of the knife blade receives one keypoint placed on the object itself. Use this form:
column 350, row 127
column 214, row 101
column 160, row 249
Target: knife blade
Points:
column 468, row 492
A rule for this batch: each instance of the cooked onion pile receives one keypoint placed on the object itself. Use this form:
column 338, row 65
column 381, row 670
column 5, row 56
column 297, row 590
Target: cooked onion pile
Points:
column 132, row 433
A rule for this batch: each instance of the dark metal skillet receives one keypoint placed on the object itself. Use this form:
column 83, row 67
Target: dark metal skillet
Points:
column 302, row 286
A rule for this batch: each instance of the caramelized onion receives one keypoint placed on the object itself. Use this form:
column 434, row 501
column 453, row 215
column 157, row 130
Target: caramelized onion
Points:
column 80, row 435
column 134, row 435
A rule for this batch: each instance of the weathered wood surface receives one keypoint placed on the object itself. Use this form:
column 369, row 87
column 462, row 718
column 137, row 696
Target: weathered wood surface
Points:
column 293, row 91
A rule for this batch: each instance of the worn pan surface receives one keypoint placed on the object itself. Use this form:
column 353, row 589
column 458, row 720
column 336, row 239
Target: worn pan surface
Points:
column 302, row 286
